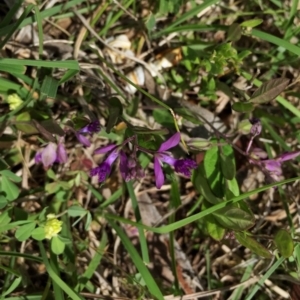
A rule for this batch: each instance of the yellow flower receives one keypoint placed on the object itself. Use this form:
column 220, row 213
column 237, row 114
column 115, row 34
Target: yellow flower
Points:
column 14, row 101
column 52, row 227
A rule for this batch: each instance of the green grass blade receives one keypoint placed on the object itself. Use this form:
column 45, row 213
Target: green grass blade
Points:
column 285, row 103
column 44, row 14
column 138, row 262
column 276, row 41
column 135, row 207
column 188, row 220
column 10, row 15
column 68, row 64
column 70, row 292
column 15, row 26
column 189, row 14
column 39, row 22
column 93, row 265
column 259, row 284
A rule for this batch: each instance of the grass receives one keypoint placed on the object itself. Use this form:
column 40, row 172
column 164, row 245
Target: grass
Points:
column 127, row 239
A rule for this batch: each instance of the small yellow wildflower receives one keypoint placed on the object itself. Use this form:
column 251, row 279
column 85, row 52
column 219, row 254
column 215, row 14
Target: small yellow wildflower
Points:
column 52, row 227
column 14, row 101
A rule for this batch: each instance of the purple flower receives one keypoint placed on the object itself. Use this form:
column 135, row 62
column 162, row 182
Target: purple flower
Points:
column 273, row 166
column 90, row 128
column 256, row 127
column 182, row 166
column 51, row 154
column 130, row 167
column 104, row 169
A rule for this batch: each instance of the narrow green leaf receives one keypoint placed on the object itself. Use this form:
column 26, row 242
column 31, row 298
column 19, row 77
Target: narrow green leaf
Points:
column 252, row 244
column 67, row 64
column 138, row 262
column 93, row 265
column 12, row 286
column 284, row 243
column 251, row 23
column 12, row 69
column 24, row 232
column 269, row 90
column 69, row 291
column 234, row 32
column 243, row 107
column 53, row 127
column 115, row 112
column 76, row 211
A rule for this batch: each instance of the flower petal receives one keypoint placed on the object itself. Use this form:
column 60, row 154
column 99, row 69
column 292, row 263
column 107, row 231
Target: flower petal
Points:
column 288, row 156
column 166, row 158
column 123, row 165
column 184, row 166
column 159, row 175
column 83, row 140
column 170, row 143
column 49, row 155
column 256, row 127
column 38, row 157
column 112, row 156
column 92, row 127
column 61, row 152
column 105, row 149
column 102, row 171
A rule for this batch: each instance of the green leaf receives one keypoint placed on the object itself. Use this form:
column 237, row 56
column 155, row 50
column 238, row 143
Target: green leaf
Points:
column 5, row 218
column 234, row 32
column 57, row 246
column 251, row 23
column 38, row 234
column 88, row 221
column 3, row 201
column 76, row 211
column 24, row 232
column 252, row 244
column 10, row 175
column 52, row 126
column 49, row 87
column 200, row 183
column 284, row 243
column 227, row 160
column 24, row 123
column 163, row 117
column 51, row 174
column 12, row 286
column 234, row 218
column 233, row 187
column 52, row 187
column 269, row 90
column 243, row 107
column 212, row 171
column 11, row 190
column 212, row 227
column 115, row 112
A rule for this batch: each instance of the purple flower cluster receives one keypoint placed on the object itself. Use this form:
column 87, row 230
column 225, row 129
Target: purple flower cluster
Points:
column 56, row 153
column 259, row 157
column 130, row 167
